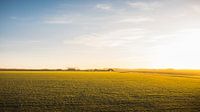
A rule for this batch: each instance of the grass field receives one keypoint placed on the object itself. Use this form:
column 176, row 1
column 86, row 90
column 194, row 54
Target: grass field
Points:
column 133, row 91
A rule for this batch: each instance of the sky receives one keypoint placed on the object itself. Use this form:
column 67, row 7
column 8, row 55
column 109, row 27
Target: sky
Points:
column 100, row 34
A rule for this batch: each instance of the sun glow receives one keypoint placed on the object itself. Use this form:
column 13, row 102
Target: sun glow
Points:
column 182, row 52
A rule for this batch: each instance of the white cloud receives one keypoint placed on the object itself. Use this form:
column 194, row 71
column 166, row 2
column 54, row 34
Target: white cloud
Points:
column 104, row 6
column 144, row 5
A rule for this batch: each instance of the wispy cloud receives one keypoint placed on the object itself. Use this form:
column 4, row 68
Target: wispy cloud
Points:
column 17, row 43
column 58, row 21
column 20, row 18
column 135, row 20
column 61, row 19
column 103, row 6
column 13, row 17
column 144, row 5
column 117, row 38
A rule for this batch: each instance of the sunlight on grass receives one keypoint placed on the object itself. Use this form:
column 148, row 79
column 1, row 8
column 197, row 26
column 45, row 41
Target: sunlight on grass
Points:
column 98, row 91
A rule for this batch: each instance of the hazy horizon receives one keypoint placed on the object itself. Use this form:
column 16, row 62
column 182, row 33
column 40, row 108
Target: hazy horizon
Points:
column 100, row 34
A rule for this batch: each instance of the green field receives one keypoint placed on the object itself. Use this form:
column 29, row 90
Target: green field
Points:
column 136, row 91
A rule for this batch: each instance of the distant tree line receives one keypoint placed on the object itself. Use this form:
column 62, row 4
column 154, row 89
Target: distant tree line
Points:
column 68, row 69
column 75, row 69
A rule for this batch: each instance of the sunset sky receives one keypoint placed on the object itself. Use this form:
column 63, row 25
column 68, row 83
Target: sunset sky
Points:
column 100, row 34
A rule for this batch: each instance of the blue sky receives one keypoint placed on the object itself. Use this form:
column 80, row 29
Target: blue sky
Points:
column 99, row 33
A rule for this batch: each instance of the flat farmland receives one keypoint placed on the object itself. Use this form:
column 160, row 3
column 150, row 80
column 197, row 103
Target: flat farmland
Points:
column 132, row 91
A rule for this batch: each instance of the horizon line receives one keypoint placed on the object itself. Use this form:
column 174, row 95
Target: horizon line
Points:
column 106, row 68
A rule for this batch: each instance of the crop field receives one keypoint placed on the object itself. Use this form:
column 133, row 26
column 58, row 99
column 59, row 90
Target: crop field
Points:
column 119, row 91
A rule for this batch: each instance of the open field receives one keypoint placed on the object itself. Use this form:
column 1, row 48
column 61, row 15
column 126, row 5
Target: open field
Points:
column 133, row 91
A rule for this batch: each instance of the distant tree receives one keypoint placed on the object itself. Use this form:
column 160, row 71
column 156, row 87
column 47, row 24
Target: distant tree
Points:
column 58, row 69
column 95, row 70
column 110, row 69
column 71, row 69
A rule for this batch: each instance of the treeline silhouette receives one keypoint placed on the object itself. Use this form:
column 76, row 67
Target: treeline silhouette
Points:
column 68, row 69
